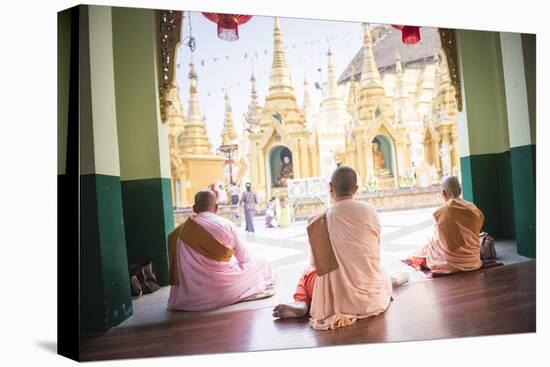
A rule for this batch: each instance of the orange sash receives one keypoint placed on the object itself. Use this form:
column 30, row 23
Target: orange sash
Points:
column 455, row 212
column 197, row 238
column 321, row 247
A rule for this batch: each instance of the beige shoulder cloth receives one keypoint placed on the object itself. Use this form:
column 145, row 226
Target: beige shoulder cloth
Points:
column 200, row 240
column 453, row 213
column 321, row 247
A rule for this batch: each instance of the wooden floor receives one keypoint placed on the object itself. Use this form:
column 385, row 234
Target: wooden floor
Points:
column 494, row 301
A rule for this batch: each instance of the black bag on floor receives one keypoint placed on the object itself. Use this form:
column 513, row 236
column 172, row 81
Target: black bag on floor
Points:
column 146, row 280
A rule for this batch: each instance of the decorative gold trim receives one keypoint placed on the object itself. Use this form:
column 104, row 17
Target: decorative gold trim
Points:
column 449, row 46
column 169, row 37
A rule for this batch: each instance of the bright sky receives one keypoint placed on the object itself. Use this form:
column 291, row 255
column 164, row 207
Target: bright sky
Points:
column 306, row 47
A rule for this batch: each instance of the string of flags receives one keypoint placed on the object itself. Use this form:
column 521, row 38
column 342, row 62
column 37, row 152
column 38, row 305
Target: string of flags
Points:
column 257, row 53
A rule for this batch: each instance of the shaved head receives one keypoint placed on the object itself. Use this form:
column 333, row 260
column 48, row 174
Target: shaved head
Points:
column 205, row 200
column 344, row 181
column 451, row 186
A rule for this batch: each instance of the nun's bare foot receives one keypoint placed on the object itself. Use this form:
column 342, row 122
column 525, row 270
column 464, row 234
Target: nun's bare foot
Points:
column 290, row 310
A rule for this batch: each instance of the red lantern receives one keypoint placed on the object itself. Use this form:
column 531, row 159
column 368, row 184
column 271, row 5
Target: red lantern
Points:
column 409, row 34
column 228, row 24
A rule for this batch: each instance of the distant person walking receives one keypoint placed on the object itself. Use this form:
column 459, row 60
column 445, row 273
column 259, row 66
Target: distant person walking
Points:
column 249, row 200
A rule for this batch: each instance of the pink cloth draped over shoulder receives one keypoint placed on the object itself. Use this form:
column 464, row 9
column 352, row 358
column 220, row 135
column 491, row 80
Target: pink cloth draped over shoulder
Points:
column 359, row 288
column 206, row 284
column 443, row 256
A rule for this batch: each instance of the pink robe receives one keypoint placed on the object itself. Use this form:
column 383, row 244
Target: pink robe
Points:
column 359, row 288
column 439, row 257
column 206, row 284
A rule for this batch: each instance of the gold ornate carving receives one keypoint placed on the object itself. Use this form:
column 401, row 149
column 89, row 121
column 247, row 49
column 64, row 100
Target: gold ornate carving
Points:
column 449, row 46
column 169, row 38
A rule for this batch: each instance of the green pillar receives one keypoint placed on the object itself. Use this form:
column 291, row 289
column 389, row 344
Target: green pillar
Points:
column 142, row 140
column 105, row 299
column 519, row 65
column 483, row 127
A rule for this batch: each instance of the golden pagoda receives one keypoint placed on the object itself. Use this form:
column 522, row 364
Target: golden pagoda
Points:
column 281, row 149
column 379, row 148
column 197, row 167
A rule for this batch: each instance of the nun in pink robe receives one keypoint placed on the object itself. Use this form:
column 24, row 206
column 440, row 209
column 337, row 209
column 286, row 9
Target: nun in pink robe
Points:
column 360, row 287
column 206, row 284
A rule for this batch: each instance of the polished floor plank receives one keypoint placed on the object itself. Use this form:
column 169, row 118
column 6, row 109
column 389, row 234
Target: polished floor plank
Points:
column 494, row 301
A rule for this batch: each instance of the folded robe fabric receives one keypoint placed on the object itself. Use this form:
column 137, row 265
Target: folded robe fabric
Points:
column 200, row 240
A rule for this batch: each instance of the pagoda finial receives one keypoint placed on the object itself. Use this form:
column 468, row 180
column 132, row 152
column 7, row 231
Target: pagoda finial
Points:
column 279, row 78
column 370, row 76
column 332, row 84
column 194, row 139
column 252, row 116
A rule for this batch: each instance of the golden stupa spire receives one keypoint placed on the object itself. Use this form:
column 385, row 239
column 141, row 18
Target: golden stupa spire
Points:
column 280, row 102
column 373, row 102
column 194, row 139
column 370, row 77
column 254, row 112
column 229, row 135
column 174, row 111
column 279, row 78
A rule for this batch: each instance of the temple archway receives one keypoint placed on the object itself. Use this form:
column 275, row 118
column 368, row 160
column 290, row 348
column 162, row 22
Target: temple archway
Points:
column 386, row 148
column 280, row 164
column 384, row 162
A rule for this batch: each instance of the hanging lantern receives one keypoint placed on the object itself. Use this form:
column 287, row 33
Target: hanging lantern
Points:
column 228, row 24
column 409, row 34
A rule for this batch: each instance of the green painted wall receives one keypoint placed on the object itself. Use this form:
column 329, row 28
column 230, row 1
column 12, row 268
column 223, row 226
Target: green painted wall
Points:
column 105, row 298
column 523, row 163
column 486, row 181
column 148, row 218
